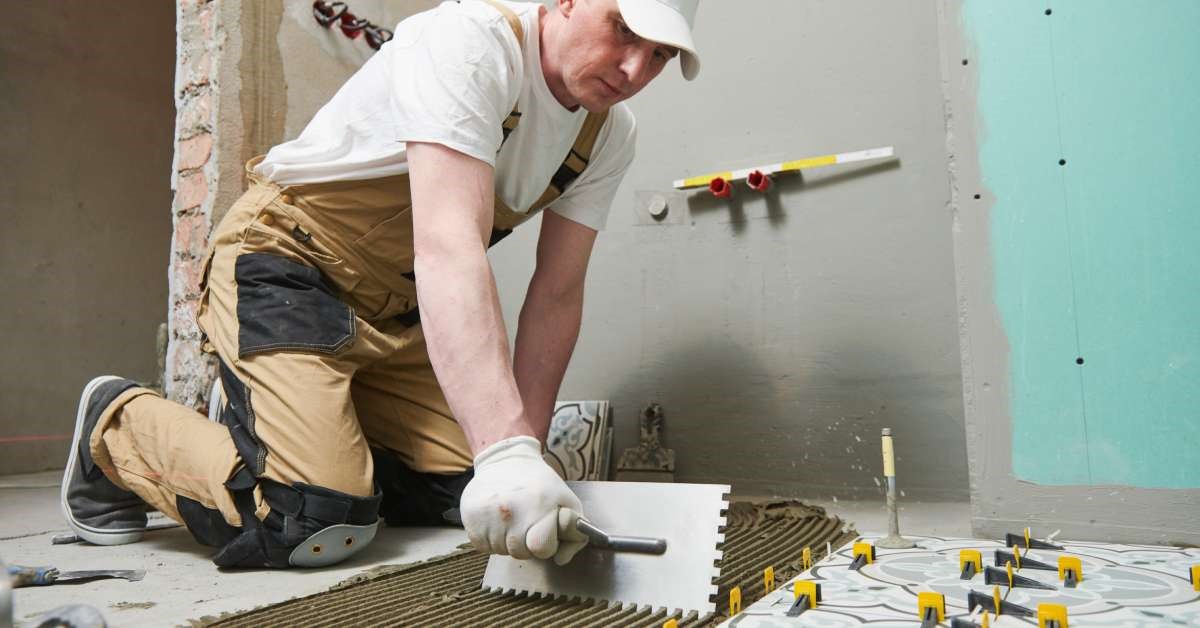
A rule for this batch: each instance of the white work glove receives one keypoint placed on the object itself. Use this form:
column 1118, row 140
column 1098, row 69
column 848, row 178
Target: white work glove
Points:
column 511, row 506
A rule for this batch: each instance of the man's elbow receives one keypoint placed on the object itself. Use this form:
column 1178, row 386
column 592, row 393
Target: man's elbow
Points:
column 446, row 250
column 556, row 294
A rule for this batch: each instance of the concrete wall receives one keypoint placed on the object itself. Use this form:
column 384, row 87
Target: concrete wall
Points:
column 85, row 103
column 1073, row 135
column 780, row 333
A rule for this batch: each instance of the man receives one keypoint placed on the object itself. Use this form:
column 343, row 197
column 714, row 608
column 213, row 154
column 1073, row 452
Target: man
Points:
column 342, row 399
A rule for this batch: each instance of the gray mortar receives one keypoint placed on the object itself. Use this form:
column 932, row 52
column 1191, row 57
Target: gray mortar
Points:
column 446, row 590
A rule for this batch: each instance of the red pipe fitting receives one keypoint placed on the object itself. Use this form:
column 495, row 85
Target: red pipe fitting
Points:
column 720, row 187
column 327, row 13
column 351, row 25
column 758, row 181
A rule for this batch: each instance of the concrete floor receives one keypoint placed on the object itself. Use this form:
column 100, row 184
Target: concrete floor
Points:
column 182, row 584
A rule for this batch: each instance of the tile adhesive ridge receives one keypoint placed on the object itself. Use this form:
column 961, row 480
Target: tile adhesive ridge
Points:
column 446, row 590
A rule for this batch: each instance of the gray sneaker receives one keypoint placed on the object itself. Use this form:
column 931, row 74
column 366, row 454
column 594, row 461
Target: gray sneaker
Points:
column 97, row 510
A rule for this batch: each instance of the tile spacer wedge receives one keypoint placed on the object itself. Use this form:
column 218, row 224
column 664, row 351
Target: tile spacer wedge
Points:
column 994, row 604
column 995, row 575
column 1021, row 562
column 1024, row 541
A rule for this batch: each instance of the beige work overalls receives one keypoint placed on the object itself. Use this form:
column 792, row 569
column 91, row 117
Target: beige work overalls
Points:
column 308, row 299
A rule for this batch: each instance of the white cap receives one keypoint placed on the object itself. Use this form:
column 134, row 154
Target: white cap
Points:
column 666, row 22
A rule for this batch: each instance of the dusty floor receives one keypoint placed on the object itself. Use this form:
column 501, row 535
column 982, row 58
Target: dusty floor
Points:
column 181, row 584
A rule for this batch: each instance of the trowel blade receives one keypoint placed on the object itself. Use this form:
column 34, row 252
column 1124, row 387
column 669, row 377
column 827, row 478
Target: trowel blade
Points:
column 689, row 516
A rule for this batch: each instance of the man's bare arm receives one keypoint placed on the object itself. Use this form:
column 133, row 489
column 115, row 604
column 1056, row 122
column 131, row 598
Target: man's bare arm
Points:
column 515, row 504
column 549, row 323
column 453, row 202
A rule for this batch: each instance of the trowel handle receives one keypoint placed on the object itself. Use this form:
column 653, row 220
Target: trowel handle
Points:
column 600, row 539
column 31, row 576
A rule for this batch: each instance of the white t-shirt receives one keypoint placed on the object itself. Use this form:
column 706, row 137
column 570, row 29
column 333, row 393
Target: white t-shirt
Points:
column 451, row 75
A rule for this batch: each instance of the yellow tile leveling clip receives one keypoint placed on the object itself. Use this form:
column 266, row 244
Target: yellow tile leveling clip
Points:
column 1070, row 571
column 931, row 608
column 807, row 594
column 1052, row 616
column 970, row 562
column 864, row 554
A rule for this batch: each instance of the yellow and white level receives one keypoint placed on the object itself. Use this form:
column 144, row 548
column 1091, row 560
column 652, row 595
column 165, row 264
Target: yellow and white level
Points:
column 786, row 166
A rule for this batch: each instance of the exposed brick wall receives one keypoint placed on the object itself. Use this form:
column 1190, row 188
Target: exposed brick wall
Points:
column 200, row 38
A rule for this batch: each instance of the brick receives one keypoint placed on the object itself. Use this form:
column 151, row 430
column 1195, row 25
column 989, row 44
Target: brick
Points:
column 185, row 275
column 191, row 235
column 194, row 151
column 181, row 321
column 207, row 20
column 195, row 114
column 190, row 373
column 199, row 69
column 191, row 191
column 184, row 280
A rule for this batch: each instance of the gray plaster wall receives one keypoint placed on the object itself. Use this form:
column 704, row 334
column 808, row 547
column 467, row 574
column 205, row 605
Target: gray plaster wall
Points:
column 781, row 332
column 85, row 103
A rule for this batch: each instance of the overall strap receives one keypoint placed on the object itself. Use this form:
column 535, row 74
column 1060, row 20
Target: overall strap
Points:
column 575, row 162
column 514, row 22
column 580, row 154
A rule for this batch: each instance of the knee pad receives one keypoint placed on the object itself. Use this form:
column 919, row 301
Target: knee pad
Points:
column 413, row 498
column 308, row 526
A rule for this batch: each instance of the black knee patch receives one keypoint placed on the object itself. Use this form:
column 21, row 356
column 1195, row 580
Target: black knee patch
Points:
column 238, row 416
column 412, row 498
column 298, row 513
column 285, row 305
column 207, row 525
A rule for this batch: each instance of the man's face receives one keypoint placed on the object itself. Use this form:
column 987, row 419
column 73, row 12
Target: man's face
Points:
column 606, row 62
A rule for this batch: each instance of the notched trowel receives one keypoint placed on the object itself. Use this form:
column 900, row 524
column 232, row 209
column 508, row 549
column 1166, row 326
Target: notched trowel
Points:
column 679, row 527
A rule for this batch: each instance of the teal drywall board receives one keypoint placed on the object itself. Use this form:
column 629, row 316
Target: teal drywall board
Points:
column 1099, row 258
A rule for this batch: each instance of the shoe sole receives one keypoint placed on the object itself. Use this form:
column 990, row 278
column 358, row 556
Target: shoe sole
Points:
column 95, row 536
